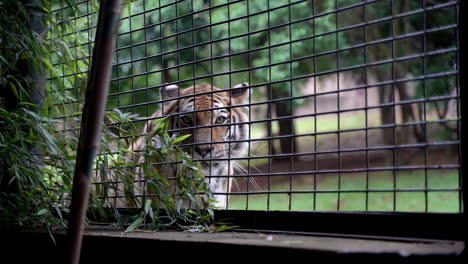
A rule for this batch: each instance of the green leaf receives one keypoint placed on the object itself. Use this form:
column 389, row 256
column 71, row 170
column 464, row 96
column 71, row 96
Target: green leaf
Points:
column 181, row 138
column 65, row 47
column 14, row 89
column 37, row 8
column 147, row 206
column 224, row 228
column 160, row 120
column 43, row 211
column 135, row 224
column 129, row 7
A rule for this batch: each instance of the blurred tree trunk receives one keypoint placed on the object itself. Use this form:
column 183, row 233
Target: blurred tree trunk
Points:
column 286, row 127
column 388, row 93
column 35, row 73
column 269, row 115
column 387, row 115
column 407, row 111
column 385, row 92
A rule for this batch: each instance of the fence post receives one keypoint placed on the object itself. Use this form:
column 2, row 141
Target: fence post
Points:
column 92, row 118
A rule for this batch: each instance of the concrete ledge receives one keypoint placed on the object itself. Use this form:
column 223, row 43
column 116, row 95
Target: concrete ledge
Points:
column 313, row 243
column 109, row 245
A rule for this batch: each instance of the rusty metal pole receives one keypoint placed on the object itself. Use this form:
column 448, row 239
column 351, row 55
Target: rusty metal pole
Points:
column 92, row 118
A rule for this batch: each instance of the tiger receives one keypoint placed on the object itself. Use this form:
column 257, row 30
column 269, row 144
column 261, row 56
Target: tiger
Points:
column 219, row 130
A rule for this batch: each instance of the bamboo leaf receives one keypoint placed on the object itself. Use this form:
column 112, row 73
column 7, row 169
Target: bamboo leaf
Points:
column 129, row 7
column 37, row 8
column 147, row 206
column 181, row 138
column 43, row 211
column 137, row 223
column 14, row 89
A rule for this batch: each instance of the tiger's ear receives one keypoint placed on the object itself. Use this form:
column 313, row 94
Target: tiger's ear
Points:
column 240, row 93
column 169, row 91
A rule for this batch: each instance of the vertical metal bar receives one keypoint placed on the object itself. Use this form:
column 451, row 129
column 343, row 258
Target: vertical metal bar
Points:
column 315, row 107
column 424, row 90
column 148, row 97
column 392, row 100
column 211, row 69
column 193, row 56
column 270, row 144
column 161, row 50
column 249, row 149
column 177, row 54
column 366, row 105
column 338, row 203
column 92, row 117
column 462, row 58
column 230, row 94
column 291, row 110
column 132, row 68
column 117, row 66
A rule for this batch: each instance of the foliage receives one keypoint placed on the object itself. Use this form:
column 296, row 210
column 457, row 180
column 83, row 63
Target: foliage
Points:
column 38, row 142
column 159, row 203
column 36, row 198
column 166, row 203
column 35, row 165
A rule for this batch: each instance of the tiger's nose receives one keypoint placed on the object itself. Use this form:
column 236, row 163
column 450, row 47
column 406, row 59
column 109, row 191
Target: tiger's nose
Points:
column 203, row 150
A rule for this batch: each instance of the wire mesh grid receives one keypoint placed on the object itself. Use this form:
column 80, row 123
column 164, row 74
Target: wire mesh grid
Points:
column 345, row 105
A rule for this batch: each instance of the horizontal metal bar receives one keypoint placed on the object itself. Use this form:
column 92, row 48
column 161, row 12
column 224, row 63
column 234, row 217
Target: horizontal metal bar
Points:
column 398, row 190
column 336, row 151
column 291, row 192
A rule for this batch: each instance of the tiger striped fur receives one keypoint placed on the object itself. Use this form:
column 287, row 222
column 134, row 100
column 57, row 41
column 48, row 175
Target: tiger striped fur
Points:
column 218, row 129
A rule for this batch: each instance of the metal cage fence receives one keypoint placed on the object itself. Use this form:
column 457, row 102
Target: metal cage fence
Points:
column 354, row 105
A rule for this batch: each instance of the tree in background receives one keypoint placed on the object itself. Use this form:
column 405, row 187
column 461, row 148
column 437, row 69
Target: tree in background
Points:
column 410, row 41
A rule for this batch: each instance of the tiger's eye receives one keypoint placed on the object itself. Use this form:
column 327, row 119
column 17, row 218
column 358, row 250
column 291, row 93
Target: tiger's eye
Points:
column 221, row 120
column 186, row 120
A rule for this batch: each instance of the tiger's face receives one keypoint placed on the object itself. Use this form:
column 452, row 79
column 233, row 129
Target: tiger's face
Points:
column 217, row 121
column 217, row 127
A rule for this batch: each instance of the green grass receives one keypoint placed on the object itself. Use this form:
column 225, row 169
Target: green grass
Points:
column 306, row 125
column 324, row 123
column 355, row 200
column 380, row 196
